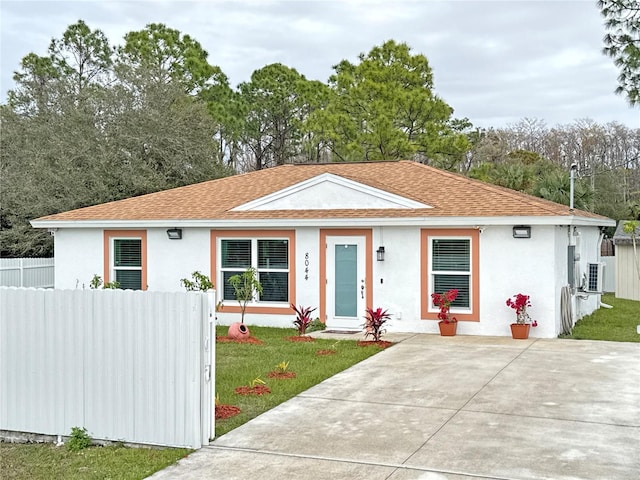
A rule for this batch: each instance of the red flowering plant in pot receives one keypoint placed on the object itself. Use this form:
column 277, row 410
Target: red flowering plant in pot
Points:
column 443, row 301
column 520, row 302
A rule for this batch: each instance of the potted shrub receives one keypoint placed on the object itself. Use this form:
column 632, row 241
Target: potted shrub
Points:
column 245, row 286
column 520, row 302
column 447, row 324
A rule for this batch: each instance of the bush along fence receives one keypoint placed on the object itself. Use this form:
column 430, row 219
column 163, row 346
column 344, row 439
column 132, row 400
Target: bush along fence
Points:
column 128, row 366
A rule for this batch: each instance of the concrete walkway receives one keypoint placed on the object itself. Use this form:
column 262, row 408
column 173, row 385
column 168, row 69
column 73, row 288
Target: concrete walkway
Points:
column 453, row 408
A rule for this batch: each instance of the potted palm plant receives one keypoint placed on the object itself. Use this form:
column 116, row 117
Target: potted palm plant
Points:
column 520, row 330
column 245, row 286
column 447, row 324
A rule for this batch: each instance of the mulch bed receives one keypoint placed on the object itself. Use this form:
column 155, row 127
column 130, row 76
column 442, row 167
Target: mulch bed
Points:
column 379, row 343
column 251, row 340
column 257, row 390
column 282, row 375
column 298, row 338
column 226, row 411
column 322, row 353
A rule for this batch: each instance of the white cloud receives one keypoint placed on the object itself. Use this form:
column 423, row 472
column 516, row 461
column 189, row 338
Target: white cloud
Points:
column 493, row 61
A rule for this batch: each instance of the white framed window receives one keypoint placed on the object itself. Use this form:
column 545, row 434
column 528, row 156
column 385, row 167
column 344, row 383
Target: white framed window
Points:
column 126, row 262
column 450, row 268
column 269, row 256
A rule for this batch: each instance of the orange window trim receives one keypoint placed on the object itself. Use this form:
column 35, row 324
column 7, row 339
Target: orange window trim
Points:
column 109, row 235
column 290, row 235
column 360, row 232
column 425, row 253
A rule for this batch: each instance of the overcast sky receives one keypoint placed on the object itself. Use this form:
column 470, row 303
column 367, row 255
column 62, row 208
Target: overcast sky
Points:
column 494, row 62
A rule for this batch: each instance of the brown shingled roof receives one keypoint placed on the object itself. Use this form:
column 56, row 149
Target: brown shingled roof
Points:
column 450, row 195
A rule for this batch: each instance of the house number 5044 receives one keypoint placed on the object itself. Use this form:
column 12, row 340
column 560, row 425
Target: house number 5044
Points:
column 306, row 266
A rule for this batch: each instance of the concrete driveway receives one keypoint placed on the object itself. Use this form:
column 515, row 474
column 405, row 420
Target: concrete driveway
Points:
column 454, row 408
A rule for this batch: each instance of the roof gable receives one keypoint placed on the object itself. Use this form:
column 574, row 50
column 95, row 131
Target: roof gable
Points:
column 329, row 192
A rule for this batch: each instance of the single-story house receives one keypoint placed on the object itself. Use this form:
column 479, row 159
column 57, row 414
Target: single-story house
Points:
column 342, row 237
column 627, row 274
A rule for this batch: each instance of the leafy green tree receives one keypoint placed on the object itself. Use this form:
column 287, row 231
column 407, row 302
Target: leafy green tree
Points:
column 83, row 56
column 78, row 132
column 555, row 186
column 166, row 55
column 37, row 85
column 622, row 43
column 384, row 107
column 276, row 103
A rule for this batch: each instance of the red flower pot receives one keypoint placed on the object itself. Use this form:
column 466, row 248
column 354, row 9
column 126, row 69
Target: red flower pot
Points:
column 238, row 331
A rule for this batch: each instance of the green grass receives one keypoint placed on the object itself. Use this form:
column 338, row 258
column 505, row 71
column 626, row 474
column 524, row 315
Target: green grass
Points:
column 616, row 324
column 238, row 364
column 46, row 461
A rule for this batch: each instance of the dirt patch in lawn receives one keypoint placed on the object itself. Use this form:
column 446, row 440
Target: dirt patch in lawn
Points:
column 226, row 411
column 257, row 390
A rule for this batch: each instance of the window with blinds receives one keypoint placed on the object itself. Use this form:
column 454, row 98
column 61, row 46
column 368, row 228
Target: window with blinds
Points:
column 127, row 263
column 270, row 257
column 451, row 268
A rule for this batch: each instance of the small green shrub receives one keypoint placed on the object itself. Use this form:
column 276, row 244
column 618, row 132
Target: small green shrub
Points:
column 316, row 325
column 200, row 282
column 96, row 282
column 79, row 439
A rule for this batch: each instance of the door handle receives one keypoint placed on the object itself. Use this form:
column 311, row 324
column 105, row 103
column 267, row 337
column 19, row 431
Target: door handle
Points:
column 362, row 288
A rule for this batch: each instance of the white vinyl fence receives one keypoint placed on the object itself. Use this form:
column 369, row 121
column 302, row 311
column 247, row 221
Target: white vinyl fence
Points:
column 27, row 272
column 609, row 275
column 128, row 366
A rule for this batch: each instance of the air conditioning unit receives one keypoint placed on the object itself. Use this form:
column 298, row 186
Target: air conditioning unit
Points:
column 594, row 277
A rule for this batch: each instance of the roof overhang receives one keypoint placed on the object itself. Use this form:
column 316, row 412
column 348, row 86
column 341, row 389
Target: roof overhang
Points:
column 330, row 222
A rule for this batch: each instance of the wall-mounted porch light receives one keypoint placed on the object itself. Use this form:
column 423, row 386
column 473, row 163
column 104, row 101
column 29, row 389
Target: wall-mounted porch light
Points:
column 174, row 233
column 380, row 254
column 522, row 231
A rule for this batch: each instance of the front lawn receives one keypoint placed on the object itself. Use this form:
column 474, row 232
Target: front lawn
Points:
column 44, row 461
column 240, row 364
column 616, row 324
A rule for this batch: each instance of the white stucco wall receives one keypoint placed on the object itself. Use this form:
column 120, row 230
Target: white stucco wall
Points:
column 516, row 265
column 534, row 266
column 170, row 260
column 396, row 280
column 77, row 257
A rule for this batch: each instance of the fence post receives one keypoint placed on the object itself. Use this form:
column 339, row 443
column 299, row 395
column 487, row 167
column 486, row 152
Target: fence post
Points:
column 210, row 366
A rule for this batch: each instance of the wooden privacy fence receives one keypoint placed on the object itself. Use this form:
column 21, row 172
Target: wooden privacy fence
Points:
column 128, row 366
column 27, row 272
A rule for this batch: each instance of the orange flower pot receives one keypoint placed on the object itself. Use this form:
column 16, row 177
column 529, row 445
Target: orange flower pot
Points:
column 520, row 331
column 448, row 329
